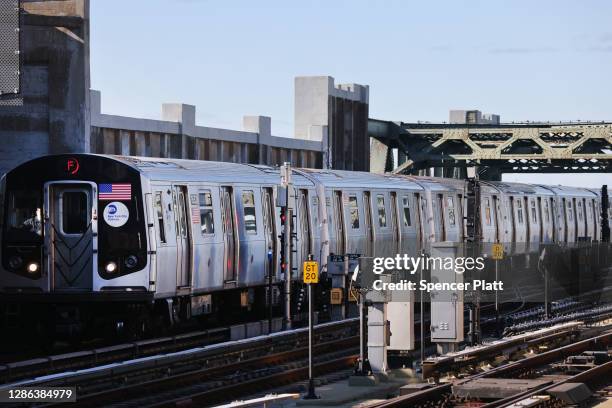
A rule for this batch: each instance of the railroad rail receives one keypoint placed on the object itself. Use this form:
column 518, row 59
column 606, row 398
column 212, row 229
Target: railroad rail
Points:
column 134, row 378
column 442, row 394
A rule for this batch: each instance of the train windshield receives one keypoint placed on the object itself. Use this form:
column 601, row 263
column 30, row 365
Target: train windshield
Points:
column 24, row 216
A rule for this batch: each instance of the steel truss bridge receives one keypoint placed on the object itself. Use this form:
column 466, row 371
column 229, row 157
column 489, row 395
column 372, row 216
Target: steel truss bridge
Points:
column 450, row 149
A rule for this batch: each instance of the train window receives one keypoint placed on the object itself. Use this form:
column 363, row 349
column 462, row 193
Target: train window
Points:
column 74, row 212
column 406, row 205
column 160, row 216
column 534, row 215
column 451, row 210
column 248, row 205
column 24, row 216
column 488, row 210
column 580, row 210
column 315, row 211
column 546, row 214
column 354, row 209
column 207, row 221
column 382, row 217
column 519, row 211
column 570, row 212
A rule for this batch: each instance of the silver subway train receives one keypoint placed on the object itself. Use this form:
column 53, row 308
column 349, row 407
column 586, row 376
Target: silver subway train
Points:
column 92, row 235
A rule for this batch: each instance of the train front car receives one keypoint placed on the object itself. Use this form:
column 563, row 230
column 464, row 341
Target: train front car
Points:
column 74, row 243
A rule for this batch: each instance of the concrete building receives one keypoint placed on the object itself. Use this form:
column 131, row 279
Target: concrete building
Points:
column 472, row 117
column 337, row 116
column 56, row 113
column 51, row 112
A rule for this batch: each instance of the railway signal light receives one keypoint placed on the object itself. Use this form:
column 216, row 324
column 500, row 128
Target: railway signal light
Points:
column 283, row 217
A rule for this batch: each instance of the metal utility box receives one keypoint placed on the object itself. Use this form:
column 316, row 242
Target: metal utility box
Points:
column 401, row 325
column 446, row 305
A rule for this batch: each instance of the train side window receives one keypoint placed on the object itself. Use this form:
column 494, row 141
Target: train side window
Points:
column 248, row 205
column 519, row 211
column 570, row 214
column 382, row 216
column 354, row 212
column 159, row 211
column 450, row 203
column 534, row 215
column 488, row 210
column 315, row 211
column 580, row 218
column 207, row 221
column 406, row 206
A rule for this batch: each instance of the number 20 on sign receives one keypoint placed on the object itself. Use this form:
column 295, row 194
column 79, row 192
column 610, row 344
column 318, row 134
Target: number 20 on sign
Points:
column 311, row 272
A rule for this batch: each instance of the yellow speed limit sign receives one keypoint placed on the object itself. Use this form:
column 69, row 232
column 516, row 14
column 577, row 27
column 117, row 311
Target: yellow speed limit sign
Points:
column 311, row 272
column 498, row 252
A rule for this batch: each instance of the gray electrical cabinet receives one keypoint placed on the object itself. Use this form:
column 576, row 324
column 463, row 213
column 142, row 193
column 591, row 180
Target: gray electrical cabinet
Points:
column 446, row 305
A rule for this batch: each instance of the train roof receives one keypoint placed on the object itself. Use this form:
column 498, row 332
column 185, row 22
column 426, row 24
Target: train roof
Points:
column 197, row 170
column 169, row 169
column 360, row 179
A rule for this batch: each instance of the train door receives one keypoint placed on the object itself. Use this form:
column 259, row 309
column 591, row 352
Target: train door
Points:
column 461, row 230
column 269, row 229
column 568, row 219
column 331, row 222
column 424, row 216
column 339, row 223
column 527, row 219
column 70, row 234
column 593, row 220
column 420, row 220
column 229, row 235
column 394, row 223
column 367, row 205
column 439, row 219
column 581, row 231
column 534, row 227
column 183, row 239
column 304, row 229
column 553, row 219
column 513, row 219
column 497, row 220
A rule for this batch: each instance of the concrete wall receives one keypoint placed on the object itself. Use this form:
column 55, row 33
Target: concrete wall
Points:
column 176, row 135
column 51, row 114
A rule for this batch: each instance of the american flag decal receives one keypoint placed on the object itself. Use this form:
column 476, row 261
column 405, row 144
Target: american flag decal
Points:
column 115, row 191
column 195, row 215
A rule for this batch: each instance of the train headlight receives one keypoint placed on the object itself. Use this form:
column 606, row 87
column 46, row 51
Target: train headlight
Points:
column 131, row 261
column 15, row 262
column 33, row 267
column 111, row 267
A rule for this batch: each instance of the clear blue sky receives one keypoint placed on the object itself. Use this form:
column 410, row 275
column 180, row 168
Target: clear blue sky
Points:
column 526, row 60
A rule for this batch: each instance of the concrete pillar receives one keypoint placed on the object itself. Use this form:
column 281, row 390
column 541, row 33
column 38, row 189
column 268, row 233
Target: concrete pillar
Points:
column 124, row 137
column 183, row 114
column 262, row 125
column 154, row 144
column 140, row 144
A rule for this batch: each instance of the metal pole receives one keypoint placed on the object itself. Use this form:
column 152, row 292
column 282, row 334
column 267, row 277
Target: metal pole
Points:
column 287, row 261
column 361, row 332
column 497, row 299
column 546, row 294
column 422, row 322
column 311, row 387
column 270, row 272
